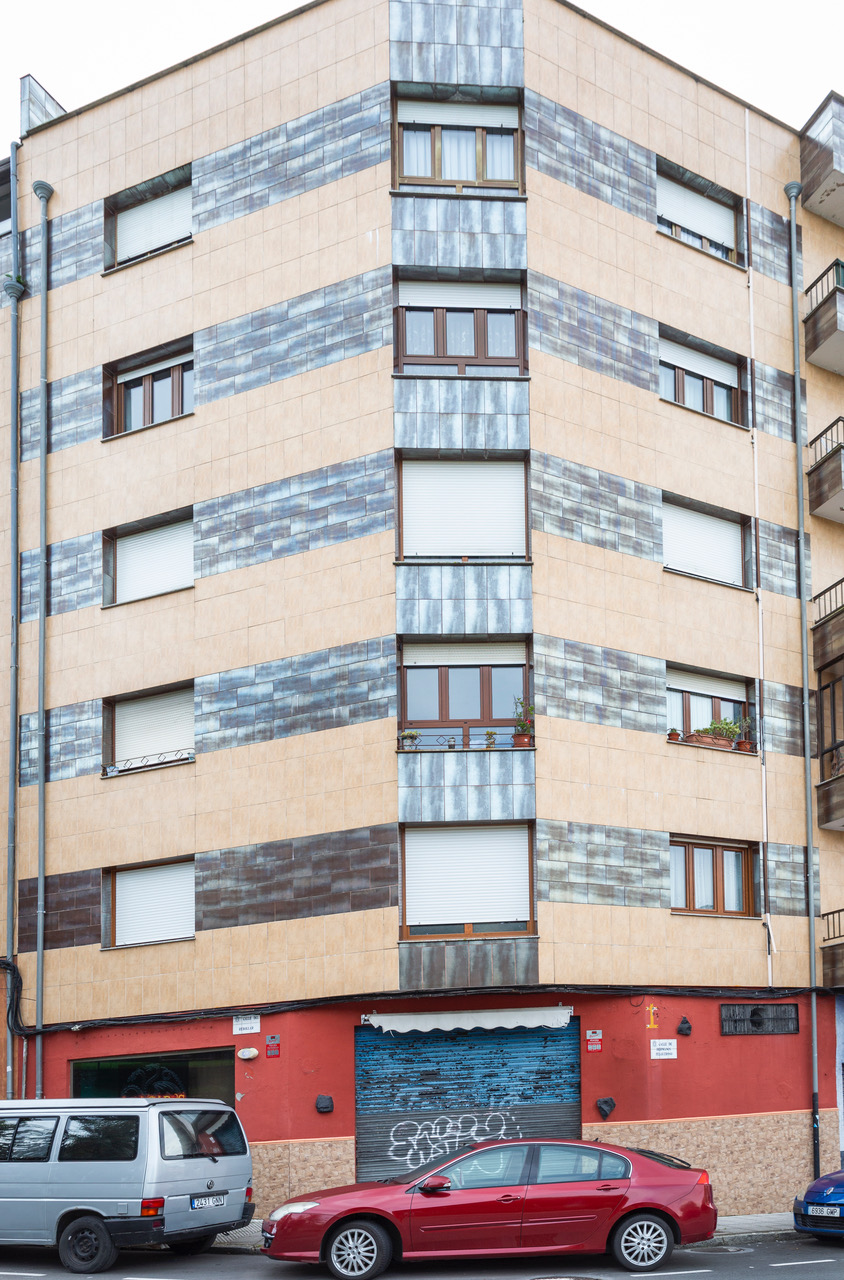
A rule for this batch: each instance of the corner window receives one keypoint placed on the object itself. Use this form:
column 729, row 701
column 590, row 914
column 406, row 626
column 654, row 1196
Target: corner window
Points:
column 461, row 329
column 705, row 221
column 831, row 720
column 465, row 881
column 453, row 510
column 697, row 542
column 456, row 695
column 696, row 702
column 699, row 381
column 716, row 878
column 149, row 559
column 148, row 731
column 151, row 904
column 147, row 218
column 458, row 144
column 146, row 391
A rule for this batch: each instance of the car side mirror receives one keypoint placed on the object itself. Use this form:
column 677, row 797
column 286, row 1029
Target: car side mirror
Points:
column 436, row 1183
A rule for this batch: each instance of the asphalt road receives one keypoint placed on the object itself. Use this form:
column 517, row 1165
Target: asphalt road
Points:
column 759, row 1258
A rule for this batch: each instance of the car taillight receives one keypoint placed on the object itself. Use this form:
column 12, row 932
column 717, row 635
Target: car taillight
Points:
column 704, row 1177
column 249, row 1194
column 152, row 1208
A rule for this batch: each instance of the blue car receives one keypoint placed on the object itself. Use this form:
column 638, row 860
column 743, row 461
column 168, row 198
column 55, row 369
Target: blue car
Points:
column 821, row 1211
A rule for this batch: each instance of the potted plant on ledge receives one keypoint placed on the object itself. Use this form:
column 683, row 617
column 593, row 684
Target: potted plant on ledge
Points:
column 674, row 735
column 718, row 733
column 743, row 741
column 409, row 739
column 523, row 732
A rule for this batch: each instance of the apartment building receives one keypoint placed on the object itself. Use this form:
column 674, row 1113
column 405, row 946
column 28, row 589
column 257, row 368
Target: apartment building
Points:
column 415, row 441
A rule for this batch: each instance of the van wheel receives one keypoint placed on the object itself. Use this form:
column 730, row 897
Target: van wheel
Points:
column 86, row 1246
column 188, row 1247
column 359, row 1250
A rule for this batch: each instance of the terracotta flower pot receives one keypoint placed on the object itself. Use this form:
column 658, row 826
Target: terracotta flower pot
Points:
column 521, row 739
column 745, row 744
column 709, row 740
column 674, row 736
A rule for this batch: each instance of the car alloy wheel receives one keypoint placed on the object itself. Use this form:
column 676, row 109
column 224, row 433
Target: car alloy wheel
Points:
column 354, row 1252
column 642, row 1243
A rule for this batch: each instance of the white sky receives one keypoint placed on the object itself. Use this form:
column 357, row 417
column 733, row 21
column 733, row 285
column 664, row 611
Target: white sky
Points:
column 779, row 57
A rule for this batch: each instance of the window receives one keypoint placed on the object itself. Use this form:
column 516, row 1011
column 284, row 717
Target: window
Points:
column 457, row 509
column 694, row 700
column 713, row 877
column 27, row 1138
column 147, row 218
column 5, row 200
column 489, row 1167
column 562, row 1163
column 148, row 562
column 705, row 545
column 146, row 391
column 100, row 1138
column 476, row 330
column 460, row 881
column 458, row 144
column 697, row 219
column 151, row 904
column 831, row 719
column 455, row 695
column 759, row 1020
column 191, row 1074
column 148, row 731
column 699, row 381
column 187, row 1135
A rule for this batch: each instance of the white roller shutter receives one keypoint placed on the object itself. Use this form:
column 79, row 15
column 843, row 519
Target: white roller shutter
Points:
column 460, row 293
column 698, row 543
column 154, row 728
column 154, row 904
column 698, row 362
column 463, row 508
column 710, row 686
column 155, row 368
column 464, row 655
column 154, row 561
column 689, row 209
column 469, row 114
column 153, row 224
column 455, row 875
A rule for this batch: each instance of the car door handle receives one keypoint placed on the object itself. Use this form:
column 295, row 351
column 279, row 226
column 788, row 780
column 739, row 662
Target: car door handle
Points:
column 508, row 1199
column 608, row 1187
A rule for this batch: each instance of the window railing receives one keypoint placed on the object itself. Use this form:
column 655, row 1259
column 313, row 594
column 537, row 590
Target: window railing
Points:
column 499, row 738
column 833, row 925
column 830, row 438
column 136, row 763
column 831, row 279
column 829, row 601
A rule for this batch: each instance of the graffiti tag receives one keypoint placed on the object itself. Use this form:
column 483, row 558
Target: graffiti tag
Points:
column 413, row 1143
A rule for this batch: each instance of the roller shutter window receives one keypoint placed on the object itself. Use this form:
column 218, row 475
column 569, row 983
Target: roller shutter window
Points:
column 455, row 509
column 492, row 654
column 698, row 380
column 154, row 730
column 460, row 875
column 154, row 561
column 707, row 546
column 709, row 698
column 458, row 142
column 446, row 329
column 154, row 224
column 699, row 219
column 154, row 904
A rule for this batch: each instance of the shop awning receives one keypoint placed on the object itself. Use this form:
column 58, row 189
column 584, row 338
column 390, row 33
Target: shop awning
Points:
column 468, row 1019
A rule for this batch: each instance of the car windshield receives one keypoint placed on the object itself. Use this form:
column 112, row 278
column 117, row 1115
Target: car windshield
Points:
column 415, row 1175
column 673, row 1162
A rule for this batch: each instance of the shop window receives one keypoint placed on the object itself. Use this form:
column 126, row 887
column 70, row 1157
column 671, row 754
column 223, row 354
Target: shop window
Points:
column 453, row 510
column 148, row 558
column 699, row 381
column 759, row 1020
column 191, row 1074
column 145, row 219
column 148, row 389
column 460, row 329
column 458, row 144
column 705, row 221
column 147, row 731
column 461, row 695
column 699, row 542
column 721, row 879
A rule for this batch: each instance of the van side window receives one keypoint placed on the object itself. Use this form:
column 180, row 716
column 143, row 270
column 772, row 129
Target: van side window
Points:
column 100, row 1138
column 187, row 1135
column 33, row 1137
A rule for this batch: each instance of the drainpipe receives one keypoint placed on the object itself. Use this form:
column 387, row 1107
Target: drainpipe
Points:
column 43, row 191
column 792, row 190
column 13, row 289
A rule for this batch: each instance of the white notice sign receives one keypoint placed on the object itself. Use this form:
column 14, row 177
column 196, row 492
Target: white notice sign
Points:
column 594, row 1035
column 663, row 1048
column 246, row 1024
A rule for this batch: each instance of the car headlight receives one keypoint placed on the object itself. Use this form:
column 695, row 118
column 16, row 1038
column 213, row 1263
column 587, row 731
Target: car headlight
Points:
column 296, row 1206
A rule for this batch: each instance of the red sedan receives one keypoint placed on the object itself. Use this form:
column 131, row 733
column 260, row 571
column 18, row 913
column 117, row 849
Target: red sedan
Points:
column 502, row 1198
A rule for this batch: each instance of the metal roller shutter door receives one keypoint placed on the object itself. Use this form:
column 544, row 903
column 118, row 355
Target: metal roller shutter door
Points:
column 421, row 1095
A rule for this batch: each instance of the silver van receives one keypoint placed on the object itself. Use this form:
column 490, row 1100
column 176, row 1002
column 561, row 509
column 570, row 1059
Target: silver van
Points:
column 94, row 1174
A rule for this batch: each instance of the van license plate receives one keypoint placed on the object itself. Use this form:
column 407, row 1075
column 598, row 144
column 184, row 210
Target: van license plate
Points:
column 207, row 1202
column 824, row 1211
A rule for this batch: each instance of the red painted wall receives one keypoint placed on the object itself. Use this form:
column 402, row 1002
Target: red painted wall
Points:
column 712, row 1074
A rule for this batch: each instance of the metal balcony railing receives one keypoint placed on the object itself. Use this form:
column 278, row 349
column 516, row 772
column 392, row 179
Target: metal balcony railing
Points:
column 829, row 601
column 832, row 278
column 833, row 925
column 830, row 438
column 183, row 756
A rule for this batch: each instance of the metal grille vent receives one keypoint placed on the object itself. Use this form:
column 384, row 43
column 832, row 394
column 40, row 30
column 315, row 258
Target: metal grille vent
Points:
column 759, row 1020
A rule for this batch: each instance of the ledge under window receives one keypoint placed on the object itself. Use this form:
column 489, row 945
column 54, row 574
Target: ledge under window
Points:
column 144, row 763
column 145, row 257
column 707, row 253
column 699, row 413
column 149, row 426
column 700, row 577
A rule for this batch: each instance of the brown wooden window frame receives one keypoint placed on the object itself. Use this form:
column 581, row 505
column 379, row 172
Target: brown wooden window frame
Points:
column 716, row 707
column 462, row 729
column 435, row 178
column 405, row 363
column 678, row 232
column 114, row 393
column 831, row 713
column 469, row 929
column 709, row 385
column 749, row 855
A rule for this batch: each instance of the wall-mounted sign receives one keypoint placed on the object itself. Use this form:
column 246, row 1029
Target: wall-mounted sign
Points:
column 594, row 1046
column 273, row 1050
column 246, row 1024
column 594, row 1035
column 663, row 1048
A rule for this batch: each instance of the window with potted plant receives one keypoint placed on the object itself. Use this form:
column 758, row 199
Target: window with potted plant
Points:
column 523, row 731
column 718, row 733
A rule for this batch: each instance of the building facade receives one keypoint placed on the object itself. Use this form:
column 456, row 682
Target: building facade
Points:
column 420, row 480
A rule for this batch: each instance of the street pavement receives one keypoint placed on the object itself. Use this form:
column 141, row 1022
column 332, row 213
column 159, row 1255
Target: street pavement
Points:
column 731, row 1256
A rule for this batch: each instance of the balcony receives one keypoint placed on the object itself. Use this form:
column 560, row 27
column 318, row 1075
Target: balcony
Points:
column 826, row 473
column 822, row 161
column 824, row 319
column 828, row 624
column 832, row 951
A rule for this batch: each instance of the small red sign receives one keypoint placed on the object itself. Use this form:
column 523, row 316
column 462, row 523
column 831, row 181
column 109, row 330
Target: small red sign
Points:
column 273, row 1050
column 594, row 1046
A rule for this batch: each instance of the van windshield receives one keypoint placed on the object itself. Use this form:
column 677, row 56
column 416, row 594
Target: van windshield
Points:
column 187, row 1135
